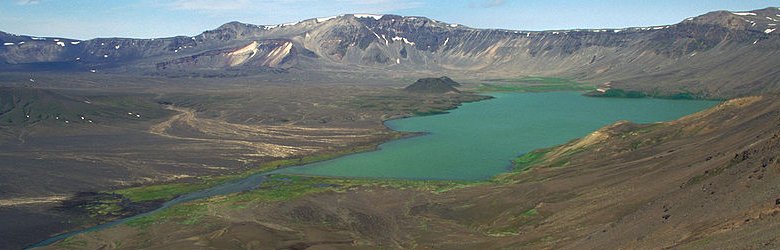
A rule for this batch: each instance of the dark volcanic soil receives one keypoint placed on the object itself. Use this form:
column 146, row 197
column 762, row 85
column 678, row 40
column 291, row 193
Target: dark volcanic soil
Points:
column 26, row 224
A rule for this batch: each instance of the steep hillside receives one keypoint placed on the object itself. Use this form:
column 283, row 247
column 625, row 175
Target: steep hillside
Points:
column 719, row 54
column 705, row 181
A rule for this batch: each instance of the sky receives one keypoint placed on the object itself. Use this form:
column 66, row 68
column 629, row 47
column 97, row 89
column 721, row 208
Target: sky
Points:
column 85, row 19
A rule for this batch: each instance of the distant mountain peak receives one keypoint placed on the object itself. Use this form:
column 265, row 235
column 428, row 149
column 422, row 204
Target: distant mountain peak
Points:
column 236, row 25
column 762, row 20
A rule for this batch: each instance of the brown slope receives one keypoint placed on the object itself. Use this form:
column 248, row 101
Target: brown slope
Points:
column 707, row 180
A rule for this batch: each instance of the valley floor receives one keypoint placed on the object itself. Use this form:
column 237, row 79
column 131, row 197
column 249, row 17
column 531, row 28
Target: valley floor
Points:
column 704, row 181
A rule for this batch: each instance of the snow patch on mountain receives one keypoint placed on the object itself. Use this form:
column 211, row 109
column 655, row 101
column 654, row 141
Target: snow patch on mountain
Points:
column 398, row 38
column 374, row 16
column 325, row 19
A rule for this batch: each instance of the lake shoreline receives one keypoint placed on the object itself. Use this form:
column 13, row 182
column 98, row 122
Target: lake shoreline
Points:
column 492, row 129
column 376, row 146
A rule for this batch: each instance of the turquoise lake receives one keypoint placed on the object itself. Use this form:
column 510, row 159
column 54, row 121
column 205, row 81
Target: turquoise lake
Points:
column 475, row 141
column 479, row 140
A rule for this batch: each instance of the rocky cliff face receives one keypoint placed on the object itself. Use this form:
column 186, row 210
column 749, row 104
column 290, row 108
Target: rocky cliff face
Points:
column 719, row 53
column 266, row 53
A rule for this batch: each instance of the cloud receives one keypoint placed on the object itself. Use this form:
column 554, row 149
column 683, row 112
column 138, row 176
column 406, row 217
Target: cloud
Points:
column 27, row 2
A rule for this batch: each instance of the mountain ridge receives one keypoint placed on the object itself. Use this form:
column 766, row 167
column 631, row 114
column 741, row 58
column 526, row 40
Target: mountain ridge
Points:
column 664, row 59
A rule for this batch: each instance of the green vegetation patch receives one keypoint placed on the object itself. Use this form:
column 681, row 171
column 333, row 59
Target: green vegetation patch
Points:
column 529, row 159
column 620, row 93
column 681, row 96
column 113, row 206
column 105, row 208
column 281, row 188
column 162, row 192
column 186, row 213
column 427, row 112
column 533, row 84
column 277, row 188
column 417, row 105
column 72, row 243
column 515, row 224
column 433, row 186
column 535, row 79
column 530, row 213
column 623, row 94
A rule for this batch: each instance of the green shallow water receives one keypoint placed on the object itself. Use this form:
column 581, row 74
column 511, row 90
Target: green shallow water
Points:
column 479, row 140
